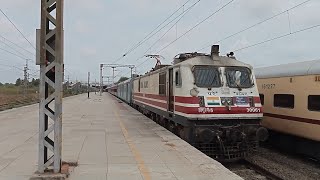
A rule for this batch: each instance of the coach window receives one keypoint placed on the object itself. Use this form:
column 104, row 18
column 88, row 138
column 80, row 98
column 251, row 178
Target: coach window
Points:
column 178, row 79
column 283, row 100
column 314, row 102
column 162, row 84
column 262, row 98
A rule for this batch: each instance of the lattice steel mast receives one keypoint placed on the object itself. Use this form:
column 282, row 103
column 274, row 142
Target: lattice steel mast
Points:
column 51, row 79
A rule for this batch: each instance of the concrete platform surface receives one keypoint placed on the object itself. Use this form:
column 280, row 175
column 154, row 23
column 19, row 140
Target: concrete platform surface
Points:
column 109, row 140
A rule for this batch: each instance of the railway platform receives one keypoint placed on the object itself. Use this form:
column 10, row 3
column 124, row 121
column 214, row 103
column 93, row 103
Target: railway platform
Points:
column 108, row 140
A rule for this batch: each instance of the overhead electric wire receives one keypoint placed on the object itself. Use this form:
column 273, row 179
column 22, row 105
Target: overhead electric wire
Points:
column 151, row 34
column 268, row 40
column 275, row 38
column 17, row 45
column 256, row 24
column 199, row 23
column 18, row 52
column 278, row 37
column 158, row 26
column 11, row 66
column 184, row 13
column 24, row 58
column 35, row 72
column 17, row 29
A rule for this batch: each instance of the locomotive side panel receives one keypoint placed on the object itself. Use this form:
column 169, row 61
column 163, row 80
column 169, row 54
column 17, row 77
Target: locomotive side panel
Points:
column 147, row 91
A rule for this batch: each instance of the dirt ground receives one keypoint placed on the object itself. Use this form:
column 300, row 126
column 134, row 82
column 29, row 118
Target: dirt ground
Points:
column 6, row 99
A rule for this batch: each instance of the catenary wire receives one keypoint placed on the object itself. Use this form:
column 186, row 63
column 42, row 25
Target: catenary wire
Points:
column 16, row 45
column 254, row 25
column 185, row 12
column 151, row 34
column 18, row 29
column 24, row 58
column 199, row 23
column 18, row 52
column 278, row 37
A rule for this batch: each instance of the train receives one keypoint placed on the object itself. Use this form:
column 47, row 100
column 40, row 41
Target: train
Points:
column 210, row 101
column 290, row 95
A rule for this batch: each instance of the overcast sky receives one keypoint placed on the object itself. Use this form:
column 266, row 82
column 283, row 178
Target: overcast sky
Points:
column 100, row 31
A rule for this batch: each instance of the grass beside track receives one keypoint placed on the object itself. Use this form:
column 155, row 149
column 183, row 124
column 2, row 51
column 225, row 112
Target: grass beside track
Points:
column 15, row 96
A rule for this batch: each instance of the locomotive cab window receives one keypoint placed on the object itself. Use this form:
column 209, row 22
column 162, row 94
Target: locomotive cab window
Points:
column 283, row 100
column 314, row 102
column 162, row 84
column 238, row 77
column 206, row 76
column 178, row 80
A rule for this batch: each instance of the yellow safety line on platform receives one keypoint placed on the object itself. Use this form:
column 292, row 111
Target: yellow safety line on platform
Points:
column 143, row 169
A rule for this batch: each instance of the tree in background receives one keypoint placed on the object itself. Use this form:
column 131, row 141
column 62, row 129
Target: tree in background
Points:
column 122, row 79
column 18, row 82
column 35, row 82
column 1, row 84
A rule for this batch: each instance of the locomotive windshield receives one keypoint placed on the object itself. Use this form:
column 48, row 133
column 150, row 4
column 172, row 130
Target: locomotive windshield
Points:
column 238, row 77
column 206, row 76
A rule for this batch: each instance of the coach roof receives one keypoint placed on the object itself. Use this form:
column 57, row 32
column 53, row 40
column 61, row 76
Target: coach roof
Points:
column 291, row 69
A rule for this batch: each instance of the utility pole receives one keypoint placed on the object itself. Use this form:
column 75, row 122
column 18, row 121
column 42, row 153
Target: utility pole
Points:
column 108, row 80
column 95, row 86
column 50, row 59
column 131, row 68
column 113, row 74
column 113, row 66
column 68, row 82
column 101, row 79
column 25, row 81
column 88, row 85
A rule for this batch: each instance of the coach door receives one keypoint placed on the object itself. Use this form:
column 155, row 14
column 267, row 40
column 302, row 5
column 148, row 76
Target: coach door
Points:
column 170, row 94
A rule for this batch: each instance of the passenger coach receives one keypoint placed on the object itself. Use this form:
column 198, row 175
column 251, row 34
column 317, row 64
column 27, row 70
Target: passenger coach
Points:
column 290, row 95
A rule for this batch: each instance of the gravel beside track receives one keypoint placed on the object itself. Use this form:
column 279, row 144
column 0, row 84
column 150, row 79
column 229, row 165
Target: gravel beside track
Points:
column 282, row 166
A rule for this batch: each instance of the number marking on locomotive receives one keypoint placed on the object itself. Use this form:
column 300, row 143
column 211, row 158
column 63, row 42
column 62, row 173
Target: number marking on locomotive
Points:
column 205, row 110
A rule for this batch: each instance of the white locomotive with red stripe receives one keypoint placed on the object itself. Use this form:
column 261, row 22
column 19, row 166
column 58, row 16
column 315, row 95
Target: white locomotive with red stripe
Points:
column 211, row 101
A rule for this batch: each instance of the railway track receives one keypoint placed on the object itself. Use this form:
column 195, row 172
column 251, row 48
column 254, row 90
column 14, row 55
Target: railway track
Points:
column 274, row 165
column 251, row 171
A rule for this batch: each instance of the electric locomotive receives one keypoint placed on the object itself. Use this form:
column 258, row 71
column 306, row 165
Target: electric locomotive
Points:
column 211, row 101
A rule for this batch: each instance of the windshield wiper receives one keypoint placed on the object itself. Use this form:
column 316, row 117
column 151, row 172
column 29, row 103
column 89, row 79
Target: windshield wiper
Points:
column 239, row 88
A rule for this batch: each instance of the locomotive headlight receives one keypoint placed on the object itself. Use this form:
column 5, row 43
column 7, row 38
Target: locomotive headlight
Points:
column 194, row 92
